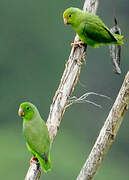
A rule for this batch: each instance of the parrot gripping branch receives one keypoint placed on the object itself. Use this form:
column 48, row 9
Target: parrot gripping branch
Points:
column 66, row 87
column 69, row 79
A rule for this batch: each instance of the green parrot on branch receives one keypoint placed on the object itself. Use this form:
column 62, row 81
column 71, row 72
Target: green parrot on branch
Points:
column 90, row 28
column 36, row 134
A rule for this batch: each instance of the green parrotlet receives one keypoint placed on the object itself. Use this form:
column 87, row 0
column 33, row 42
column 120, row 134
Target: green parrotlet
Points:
column 90, row 28
column 36, row 134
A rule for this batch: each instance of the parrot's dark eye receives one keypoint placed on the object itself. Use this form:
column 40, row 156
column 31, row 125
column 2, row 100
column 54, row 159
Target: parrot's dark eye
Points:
column 28, row 108
column 70, row 15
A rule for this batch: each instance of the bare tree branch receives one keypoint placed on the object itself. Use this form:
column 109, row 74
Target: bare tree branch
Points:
column 68, row 80
column 107, row 134
column 66, row 87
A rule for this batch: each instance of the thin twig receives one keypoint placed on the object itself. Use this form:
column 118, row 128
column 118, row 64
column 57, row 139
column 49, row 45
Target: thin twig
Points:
column 66, row 87
column 107, row 134
column 83, row 99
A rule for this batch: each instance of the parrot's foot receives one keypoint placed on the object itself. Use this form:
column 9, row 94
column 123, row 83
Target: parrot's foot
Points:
column 33, row 159
column 78, row 43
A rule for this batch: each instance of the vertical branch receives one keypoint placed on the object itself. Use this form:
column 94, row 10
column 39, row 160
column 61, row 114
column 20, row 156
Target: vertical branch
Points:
column 107, row 134
column 68, row 80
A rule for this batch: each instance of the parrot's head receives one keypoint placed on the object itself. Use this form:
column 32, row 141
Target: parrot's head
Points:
column 27, row 110
column 71, row 15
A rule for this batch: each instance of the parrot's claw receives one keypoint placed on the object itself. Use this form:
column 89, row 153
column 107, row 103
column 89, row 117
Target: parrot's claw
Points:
column 33, row 159
column 78, row 43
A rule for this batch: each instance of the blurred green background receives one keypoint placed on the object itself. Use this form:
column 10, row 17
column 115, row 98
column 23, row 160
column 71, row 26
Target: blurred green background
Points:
column 34, row 47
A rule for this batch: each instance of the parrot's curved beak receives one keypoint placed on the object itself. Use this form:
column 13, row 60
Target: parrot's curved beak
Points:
column 20, row 112
column 66, row 21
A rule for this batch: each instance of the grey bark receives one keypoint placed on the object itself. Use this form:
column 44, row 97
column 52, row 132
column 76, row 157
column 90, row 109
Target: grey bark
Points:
column 107, row 134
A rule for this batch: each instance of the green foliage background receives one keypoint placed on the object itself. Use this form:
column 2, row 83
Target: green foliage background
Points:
column 34, row 46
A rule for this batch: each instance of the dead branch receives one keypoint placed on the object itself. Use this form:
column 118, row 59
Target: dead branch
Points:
column 107, row 134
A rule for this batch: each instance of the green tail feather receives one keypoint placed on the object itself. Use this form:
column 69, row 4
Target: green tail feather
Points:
column 46, row 165
column 119, row 38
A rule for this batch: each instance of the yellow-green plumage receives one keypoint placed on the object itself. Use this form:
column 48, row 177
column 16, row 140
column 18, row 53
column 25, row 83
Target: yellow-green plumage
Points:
column 90, row 28
column 36, row 134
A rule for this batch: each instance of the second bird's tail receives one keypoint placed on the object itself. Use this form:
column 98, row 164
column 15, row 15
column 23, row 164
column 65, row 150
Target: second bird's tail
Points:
column 45, row 163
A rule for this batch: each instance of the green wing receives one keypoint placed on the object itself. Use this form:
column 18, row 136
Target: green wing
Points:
column 44, row 159
column 98, row 35
column 38, row 141
column 94, row 32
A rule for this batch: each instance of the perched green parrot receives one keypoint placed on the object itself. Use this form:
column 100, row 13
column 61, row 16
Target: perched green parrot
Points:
column 90, row 28
column 36, row 134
